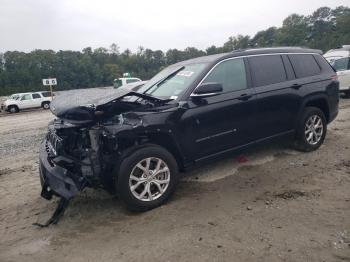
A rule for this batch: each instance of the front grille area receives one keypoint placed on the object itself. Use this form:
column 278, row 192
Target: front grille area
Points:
column 54, row 143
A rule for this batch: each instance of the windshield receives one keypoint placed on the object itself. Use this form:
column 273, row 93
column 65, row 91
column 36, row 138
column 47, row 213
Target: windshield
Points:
column 117, row 83
column 341, row 64
column 14, row 97
column 172, row 81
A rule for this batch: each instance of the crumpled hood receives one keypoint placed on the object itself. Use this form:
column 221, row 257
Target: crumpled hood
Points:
column 80, row 105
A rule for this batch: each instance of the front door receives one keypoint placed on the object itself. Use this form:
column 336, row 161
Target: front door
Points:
column 214, row 124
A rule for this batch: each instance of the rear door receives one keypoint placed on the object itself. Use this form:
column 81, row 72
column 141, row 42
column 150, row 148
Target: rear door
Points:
column 277, row 94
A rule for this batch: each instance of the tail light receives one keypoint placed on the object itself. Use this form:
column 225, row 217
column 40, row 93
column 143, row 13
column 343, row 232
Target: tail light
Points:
column 334, row 77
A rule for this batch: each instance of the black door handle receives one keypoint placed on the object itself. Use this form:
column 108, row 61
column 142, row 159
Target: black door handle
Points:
column 296, row 86
column 244, row 97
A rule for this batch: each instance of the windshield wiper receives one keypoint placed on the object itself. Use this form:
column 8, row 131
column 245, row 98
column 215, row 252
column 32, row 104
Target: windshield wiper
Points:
column 164, row 79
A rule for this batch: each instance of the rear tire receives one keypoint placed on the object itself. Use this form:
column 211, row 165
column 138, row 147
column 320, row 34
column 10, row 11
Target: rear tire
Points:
column 45, row 105
column 146, row 178
column 13, row 109
column 311, row 130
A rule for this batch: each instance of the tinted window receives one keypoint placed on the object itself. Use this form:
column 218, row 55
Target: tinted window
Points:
column 304, row 65
column 36, row 96
column 118, row 83
column 267, row 70
column 231, row 74
column 46, row 94
column 128, row 81
column 341, row 64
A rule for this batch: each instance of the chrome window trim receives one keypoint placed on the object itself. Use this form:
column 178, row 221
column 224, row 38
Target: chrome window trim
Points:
column 245, row 56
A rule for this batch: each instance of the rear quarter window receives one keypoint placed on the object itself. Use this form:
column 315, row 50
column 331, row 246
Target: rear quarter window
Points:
column 46, row 94
column 267, row 70
column 304, row 65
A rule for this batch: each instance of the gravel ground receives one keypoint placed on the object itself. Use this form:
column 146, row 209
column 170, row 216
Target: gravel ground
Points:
column 280, row 205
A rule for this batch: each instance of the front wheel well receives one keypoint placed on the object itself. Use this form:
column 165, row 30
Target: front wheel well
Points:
column 321, row 104
column 166, row 141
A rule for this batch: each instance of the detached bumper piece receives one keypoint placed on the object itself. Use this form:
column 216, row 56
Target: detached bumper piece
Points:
column 56, row 180
column 61, row 207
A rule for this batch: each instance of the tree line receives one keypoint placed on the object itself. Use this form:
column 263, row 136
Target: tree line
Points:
column 324, row 29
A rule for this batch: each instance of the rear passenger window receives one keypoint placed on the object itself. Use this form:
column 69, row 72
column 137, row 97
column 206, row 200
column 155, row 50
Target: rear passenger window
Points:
column 231, row 74
column 304, row 65
column 36, row 96
column 267, row 70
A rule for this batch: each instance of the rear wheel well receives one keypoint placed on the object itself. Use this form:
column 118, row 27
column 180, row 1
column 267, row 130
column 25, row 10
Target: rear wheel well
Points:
column 321, row 104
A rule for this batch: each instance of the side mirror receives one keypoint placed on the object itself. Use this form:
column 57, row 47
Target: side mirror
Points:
column 207, row 90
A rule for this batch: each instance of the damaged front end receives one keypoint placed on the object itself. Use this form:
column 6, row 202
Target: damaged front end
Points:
column 68, row 160
column 83, row 143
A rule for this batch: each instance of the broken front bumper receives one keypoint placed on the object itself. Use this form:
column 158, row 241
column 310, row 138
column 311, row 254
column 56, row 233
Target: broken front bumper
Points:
column 56, row 179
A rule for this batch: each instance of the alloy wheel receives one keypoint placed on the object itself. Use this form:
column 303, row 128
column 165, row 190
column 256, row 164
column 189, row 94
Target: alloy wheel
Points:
column 313, row 129
column 149, row 179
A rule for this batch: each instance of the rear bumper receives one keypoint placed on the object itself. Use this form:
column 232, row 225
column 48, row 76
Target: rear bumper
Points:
column 57, row 180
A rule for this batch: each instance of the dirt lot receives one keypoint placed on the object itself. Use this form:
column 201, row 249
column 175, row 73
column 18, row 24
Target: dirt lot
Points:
column 280, row 205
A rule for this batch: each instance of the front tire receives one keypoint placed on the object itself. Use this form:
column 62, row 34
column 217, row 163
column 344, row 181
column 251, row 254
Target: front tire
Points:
column 147, row 178
column 311, row 130
column 13, row 109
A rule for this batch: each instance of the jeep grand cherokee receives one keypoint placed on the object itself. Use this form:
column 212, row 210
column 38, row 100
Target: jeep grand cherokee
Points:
column 135, row 143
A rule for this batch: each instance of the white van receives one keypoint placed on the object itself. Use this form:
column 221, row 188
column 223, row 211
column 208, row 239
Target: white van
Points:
column 340, row 60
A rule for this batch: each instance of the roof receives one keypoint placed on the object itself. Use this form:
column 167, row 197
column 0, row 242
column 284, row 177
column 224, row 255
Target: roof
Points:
column 245, row 52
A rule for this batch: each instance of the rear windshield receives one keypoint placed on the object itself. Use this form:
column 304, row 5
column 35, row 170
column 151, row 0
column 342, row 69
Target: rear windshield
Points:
column 304, row 65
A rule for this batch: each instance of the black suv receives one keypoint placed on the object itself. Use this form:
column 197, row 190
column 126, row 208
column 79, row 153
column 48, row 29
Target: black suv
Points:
column 135, row 143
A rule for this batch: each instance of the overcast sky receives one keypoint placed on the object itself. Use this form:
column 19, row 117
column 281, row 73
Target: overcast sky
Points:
column 26, row 25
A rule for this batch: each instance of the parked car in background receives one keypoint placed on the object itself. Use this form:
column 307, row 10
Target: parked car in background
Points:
column 17, row 102
column 340, row 60
column 135, row 143
column 337, row 53
column 342, row 66
column 124, row 81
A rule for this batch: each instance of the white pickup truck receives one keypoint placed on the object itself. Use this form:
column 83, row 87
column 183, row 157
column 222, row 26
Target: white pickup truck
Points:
column 21, row 101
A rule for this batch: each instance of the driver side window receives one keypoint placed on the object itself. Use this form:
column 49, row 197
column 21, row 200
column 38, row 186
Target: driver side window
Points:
column 26, row 97
column 231, row 74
